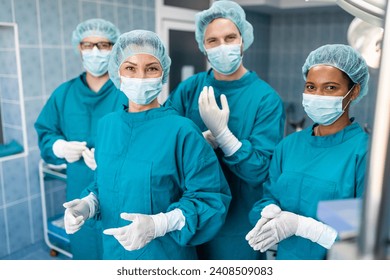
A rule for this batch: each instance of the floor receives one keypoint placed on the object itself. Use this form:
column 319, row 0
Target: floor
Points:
column 39, row 251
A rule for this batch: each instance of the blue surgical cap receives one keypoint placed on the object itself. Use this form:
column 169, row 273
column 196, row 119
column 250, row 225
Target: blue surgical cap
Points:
column 346, row 59
column 223, row 9
column 94, row 27
column 137, row 42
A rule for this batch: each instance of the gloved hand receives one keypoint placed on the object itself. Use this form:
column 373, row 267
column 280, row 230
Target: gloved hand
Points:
column 269, row 212
column 210, row 139
column 216, row 120
column 145, row 228
column 89, row 158
column 78, row 211
column 286, row 224
column 136, row 235
column 71, row 150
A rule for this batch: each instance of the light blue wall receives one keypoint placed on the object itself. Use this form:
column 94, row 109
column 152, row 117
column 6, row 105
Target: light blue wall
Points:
column 47, row 59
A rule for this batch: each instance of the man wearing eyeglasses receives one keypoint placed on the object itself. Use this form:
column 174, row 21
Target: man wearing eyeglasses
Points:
column 66, row 126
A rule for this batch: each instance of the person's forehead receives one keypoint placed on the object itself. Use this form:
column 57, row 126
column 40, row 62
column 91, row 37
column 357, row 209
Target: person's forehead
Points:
column 95, row 39
column 220, row 26
column 324, row 72
column 142, row 57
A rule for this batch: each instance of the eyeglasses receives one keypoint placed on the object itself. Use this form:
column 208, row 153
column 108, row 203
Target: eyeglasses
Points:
column 99, row 45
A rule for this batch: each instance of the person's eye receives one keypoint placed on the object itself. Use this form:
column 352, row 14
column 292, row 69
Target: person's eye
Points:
column 231, row 38
column 152, row 69
column 130, row 68
column 309, row 87
column 104, row 45
column 330, row 88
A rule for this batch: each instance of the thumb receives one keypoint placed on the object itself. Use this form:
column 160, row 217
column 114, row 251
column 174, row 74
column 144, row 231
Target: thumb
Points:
column 71, row 203
column 224, row 103
column 110, row 231
column 129, row 216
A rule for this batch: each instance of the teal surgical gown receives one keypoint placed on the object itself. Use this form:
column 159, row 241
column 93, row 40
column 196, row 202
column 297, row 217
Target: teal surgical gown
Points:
column 71, row 113
column 306, row 169
column 155, row 161
column 257, row 119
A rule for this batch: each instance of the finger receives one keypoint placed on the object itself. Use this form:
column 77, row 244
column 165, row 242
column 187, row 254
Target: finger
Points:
column 112, row 231
column 262, row 221
column 211, row 98
column 93, row 150
column 128, row 216
column 266, row 244
column 87, row 153
column 224, row 103
column 71, row 203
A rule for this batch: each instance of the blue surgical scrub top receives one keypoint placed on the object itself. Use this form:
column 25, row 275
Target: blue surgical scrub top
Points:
column 71, row 113
column 155, row 161
column 257, row 119
column 306, row 169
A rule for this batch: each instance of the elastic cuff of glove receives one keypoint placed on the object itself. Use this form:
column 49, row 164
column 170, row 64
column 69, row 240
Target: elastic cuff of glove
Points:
column 316, row 231
column 160, row 224
column 93, row 204
column 58, row 148
column 328, row 237
column 228, row 142
column 176, row 220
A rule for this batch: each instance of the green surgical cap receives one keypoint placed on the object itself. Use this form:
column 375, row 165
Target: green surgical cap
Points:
column 94, row 27
column 137, row 42
column 346, row 59
column 223, row 9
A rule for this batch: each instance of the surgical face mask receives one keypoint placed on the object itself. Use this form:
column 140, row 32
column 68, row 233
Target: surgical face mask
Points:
column 95, row 61
column 225, row 59
column 324, row 110
column 141, row 91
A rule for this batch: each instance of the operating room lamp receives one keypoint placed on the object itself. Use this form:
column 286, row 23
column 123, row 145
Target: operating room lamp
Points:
column 366, row 36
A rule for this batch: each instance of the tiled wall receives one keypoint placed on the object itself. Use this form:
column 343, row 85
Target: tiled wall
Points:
column 292, row 37
column 47, row 59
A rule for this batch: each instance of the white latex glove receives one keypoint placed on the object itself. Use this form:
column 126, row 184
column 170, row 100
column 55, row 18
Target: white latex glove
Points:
column 287, row 224
column 210, row 139
column 78, row 211
column 71, row 150
column 145, row 228
column 216, row 120
column 269, row 212
column 89, row 158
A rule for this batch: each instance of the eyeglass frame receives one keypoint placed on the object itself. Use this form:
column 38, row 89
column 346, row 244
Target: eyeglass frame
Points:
column 96, row 44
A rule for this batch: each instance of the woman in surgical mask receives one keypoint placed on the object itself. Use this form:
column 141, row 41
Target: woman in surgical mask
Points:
column 66, row 126
column 240, row 115
column 326, row 161
column 159, row 189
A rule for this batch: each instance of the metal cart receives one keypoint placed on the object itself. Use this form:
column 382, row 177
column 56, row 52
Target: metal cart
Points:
column 53, row 225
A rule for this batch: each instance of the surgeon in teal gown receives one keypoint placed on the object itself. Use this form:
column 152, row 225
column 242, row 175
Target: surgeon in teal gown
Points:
column 326, row 161
column 251, row 130
column 67, row 124
column 159, row 189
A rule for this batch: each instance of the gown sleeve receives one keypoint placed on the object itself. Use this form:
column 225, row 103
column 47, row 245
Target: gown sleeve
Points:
column 206, row 195
column 48, row 126
column 252, row 160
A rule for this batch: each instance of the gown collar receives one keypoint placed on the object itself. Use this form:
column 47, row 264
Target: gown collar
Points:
column 333, row 139
column 130, row 117
column 244, row 81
